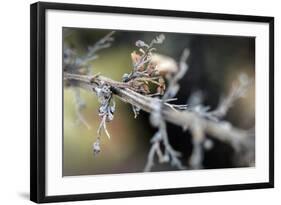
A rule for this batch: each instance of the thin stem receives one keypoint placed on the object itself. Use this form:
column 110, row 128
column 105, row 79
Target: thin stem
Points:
column 222, row 131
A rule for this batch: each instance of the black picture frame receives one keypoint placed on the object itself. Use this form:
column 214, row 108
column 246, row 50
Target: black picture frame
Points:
column 38, row 101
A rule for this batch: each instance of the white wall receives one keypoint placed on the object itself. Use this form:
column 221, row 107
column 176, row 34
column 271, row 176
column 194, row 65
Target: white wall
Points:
column 14, row 109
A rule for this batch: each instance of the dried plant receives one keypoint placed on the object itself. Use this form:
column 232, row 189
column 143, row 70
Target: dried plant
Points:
column 81, row 65
column 150, row 68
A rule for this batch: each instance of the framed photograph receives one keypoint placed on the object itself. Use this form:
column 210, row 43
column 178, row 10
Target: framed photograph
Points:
column 129, row 102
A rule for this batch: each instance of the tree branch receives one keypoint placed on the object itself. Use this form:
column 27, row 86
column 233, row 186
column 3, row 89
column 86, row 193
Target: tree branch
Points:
column 222, row 131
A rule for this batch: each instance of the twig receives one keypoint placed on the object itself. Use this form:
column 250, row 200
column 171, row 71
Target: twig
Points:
column 238, row 90
column 79, row 106
column 105, row 42
column 135, row 91
column 222, row 131
column 156, row 117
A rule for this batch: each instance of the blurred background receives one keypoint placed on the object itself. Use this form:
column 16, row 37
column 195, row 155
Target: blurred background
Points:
column 214, row 63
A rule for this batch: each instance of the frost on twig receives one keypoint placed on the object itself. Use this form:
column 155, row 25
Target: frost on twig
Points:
column 106, row 111
column 148, row 71
column 199, row 139
column 136, row 110
column 75, row 64
column 103, row 43
column 157, row 120
column 144, row 72
column 79, row 106
column 238, row 90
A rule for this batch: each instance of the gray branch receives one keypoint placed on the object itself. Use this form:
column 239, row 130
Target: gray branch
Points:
column 222, row 131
